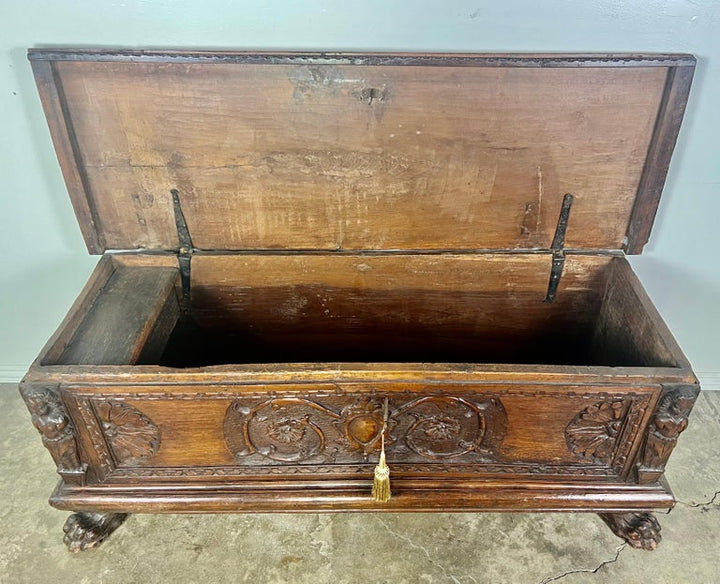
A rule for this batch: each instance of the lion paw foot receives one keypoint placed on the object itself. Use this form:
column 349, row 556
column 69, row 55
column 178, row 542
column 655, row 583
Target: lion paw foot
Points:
column 84, row 531
column 639, row 530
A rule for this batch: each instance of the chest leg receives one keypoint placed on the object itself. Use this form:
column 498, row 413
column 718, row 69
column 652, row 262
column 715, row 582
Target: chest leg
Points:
column 640, row 530
column 84, row 530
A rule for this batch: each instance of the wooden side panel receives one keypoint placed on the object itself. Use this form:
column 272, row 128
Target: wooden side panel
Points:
column 667, row 127
column 324, row 156
column 68, row 327
column 160, row 327
column 66, row 148
column 124, row 317
column 629, row 328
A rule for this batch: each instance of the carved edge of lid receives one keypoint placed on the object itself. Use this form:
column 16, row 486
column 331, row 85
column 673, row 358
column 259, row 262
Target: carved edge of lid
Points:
column 374, row 59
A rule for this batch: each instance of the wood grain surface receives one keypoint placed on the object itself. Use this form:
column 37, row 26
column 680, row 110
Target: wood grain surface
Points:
column 369, row 232
column 359, row 157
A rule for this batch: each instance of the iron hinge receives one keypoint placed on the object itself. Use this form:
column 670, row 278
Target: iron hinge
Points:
column 558, row 249
column 185, row 248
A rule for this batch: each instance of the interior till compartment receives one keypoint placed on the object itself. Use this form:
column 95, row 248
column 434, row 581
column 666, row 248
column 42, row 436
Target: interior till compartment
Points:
column 434, row 308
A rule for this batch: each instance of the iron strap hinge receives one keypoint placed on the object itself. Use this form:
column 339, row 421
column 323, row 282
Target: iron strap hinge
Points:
column 185, row 248
column 557, row 248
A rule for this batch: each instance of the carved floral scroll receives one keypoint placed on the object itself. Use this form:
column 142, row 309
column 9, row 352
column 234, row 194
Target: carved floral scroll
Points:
column 335, row 429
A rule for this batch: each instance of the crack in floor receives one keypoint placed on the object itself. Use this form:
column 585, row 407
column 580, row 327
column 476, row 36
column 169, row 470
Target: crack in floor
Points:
column 618, row 551
column 711, row 501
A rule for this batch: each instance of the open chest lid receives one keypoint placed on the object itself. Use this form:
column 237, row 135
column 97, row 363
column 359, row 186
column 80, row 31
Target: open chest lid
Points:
column 362, row 152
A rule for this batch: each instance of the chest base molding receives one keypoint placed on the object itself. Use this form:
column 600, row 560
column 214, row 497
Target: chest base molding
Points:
column 339, row 496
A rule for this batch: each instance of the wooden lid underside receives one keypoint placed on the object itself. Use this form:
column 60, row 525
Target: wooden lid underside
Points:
column 330, row 155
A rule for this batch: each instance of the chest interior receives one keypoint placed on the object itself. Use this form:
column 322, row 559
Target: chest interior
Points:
column 250, row 309
column 335, row 208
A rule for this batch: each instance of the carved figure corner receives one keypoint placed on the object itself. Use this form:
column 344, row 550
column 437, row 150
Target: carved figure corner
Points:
column 51, row 419
column 667, row 423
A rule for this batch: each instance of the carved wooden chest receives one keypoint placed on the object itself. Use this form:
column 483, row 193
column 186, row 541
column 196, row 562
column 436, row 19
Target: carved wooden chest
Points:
column 306, row 255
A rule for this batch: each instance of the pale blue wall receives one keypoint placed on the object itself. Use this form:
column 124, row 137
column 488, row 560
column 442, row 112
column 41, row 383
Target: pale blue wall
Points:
column 45, row 263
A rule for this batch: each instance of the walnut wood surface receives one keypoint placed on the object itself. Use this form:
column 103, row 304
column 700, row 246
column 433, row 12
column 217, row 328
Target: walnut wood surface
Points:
column 575, row 433
column 84, row 531
column 327, row 154
column 629, row 329
column 124, row 320
column 312, row 431
column 317, row 371
column 370, row 209
column 438, row 496
column 66, row 149
column 78, row 311
column 667, row 127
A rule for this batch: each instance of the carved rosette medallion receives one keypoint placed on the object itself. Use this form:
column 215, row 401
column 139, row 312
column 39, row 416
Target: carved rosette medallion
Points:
column 347, row 429
column 130, row 434
column 283, row 429
column 444, row 427
column 593, row 433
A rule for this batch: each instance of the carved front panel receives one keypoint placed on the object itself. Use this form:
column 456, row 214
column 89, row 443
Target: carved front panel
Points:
column 347, row 429
column 120, row 435
column 200, row 433
column 594, row 432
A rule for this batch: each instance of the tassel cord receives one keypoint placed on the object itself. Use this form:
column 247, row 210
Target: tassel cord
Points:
column 381, row 481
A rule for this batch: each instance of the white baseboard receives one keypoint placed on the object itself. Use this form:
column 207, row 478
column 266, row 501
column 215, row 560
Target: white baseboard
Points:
column 12, row 373
column 709, row 380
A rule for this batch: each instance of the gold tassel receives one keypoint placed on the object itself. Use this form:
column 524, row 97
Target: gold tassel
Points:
column 381, row 482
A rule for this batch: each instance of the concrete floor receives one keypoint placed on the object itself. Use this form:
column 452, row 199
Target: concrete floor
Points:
column 367, row 548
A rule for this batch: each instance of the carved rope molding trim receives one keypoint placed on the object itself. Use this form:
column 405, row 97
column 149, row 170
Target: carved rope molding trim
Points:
column 310, row 392
column 370, row 59
column 478, row 470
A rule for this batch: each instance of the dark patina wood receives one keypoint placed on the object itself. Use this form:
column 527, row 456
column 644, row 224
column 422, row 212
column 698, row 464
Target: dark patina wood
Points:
column 308, row 237
column 667, row 127
column 84, row 531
